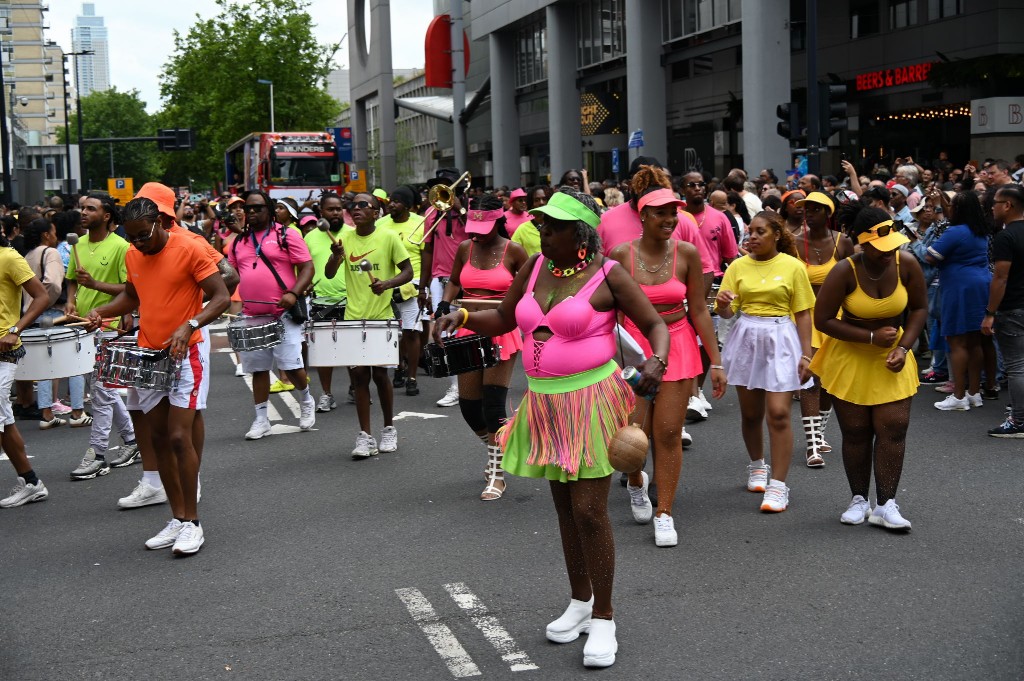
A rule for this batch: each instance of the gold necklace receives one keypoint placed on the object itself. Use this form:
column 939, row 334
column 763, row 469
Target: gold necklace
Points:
column 760, row 269
column 645, row 268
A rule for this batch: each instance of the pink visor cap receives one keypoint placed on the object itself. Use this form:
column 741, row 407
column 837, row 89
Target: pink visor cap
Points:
column 659, row 197
column 482, row 221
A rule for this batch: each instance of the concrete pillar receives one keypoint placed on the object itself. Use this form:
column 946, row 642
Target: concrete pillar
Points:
column 766, row 83
column 645, row 78
column 371, row 73
column 504, row 113
column 563, row 95
column 359, row 135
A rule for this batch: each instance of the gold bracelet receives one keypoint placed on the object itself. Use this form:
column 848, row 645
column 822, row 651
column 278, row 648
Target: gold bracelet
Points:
column 664, row 364
column 805, row 357
column 717, row 366
column 465, row 317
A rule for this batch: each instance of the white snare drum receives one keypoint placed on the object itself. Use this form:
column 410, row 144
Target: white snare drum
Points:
column 122, row 364
column 56, row 353
column 357, row 343
column 258, row 332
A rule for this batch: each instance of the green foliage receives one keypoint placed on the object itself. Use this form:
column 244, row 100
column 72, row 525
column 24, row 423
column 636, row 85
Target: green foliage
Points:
column 210, row 81
column 112, row 113
column 996, row 75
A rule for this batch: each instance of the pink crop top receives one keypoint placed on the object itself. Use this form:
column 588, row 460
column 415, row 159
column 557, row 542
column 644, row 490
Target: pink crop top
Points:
column 497, row 279
column 668, row 292
column 582, row 338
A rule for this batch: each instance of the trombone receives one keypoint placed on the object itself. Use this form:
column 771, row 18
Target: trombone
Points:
column 442, row 198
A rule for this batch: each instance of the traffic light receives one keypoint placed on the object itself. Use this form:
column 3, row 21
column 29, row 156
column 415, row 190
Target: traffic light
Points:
column 791, row 124
column 832, row 100
column 183, row 139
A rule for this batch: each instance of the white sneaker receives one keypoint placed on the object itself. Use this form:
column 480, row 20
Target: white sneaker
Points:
column 144, row 494
column 639, row 502
column 951, row 403
column 757, row 477
column 366, row 446
column 858, row 511
column 307, row 414
column 166, row 537
column 687, row 439
column 665, row 531
column 975, row 400
column 326, row 403
column 776, row 497
column 190, row 539
column 260, row 428
column 451, row 397
column 703, row 400
column 695, row 410
column 389, row 439
column 601, row 644
column 25, row 494
column 238, row 370
column 573, row 622
column 888, row 516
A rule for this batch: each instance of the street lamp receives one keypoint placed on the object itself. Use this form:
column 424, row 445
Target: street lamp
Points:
column 271, row 84
column 78, row 114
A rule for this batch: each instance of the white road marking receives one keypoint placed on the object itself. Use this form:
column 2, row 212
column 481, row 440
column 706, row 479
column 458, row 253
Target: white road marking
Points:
column 417, row 415
column 460, row 664
column 493, row 631
column 4, row 457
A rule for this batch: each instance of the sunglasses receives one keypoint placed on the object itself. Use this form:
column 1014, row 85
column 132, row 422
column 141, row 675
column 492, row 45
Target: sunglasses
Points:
column 142, row 238
column 253, row 208
column 695, row 185
column 358, row 205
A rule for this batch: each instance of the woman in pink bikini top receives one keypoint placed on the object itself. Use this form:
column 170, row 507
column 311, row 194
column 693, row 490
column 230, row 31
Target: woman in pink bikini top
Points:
column 564, row 300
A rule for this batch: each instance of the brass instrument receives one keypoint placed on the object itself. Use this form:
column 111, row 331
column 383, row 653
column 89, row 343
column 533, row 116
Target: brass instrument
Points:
column 442, row 198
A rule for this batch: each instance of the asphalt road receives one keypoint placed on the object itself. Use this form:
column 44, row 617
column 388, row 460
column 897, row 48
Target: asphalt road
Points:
column 320, row 567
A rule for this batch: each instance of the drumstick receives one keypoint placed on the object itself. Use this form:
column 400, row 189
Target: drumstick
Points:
column 462, row 302
column 365, row 266
column 72, row 240
column 325, row 227
column 103, row 324
column 261, row 302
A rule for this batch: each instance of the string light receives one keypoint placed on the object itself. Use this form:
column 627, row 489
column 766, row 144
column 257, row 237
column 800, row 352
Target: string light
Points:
column 938, row 113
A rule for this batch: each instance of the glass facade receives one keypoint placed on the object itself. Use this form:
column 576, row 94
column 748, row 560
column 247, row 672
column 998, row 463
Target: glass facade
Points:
column 902, row 13
column 683, row 18
column 602, row 31
column 940, row 9
column 532, row 53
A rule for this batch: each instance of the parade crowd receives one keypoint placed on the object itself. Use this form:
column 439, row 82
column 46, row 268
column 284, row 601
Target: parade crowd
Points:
column 834, row 296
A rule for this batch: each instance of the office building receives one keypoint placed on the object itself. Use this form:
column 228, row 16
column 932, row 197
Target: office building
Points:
column 89, row 33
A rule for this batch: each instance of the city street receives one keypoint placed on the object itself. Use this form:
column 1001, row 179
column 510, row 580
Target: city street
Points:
column 317, row 566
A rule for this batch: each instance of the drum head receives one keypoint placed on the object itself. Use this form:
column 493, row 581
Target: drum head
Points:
column 37, row 335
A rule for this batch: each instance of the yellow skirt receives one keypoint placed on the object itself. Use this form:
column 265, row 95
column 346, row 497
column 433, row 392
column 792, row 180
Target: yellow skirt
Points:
column 856, row 372
column 817, row 337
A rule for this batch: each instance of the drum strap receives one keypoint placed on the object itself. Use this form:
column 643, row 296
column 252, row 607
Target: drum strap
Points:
column 298, row 312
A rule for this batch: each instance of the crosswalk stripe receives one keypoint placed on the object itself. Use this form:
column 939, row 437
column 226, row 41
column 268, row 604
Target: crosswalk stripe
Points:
column 460, row 664
column 493, row 631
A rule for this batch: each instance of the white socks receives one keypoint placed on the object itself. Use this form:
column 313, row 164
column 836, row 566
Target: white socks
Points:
column 261, row 410
column 152, row 478
column 304, row 395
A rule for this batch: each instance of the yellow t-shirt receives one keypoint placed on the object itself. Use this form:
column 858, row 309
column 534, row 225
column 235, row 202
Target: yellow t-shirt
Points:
column 410, row 229
column 105, row 262
column 319, row 245
column 528, row 236
column 772, row 288
column 384, row 251
column 14, row 271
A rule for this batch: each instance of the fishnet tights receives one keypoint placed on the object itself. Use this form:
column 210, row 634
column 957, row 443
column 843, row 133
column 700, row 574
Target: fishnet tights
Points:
column 587, row 540
column 883, row 428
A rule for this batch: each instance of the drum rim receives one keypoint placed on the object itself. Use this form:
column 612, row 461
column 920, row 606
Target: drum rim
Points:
column 56, row 333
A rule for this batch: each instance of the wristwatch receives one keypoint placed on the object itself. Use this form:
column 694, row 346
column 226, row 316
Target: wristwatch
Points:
column 194, row 323
column 990, row 313
column 14, row 330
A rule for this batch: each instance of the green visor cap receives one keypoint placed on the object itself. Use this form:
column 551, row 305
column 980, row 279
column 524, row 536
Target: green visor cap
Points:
column 563, row 207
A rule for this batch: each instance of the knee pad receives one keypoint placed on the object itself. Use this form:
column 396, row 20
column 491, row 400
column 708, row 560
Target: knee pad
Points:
column 472, row 412
column 494, row 406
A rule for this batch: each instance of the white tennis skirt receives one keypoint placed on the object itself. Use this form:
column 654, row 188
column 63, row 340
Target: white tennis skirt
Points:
column 763, row 353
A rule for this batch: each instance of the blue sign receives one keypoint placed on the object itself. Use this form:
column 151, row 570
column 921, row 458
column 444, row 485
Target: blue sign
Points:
column 343, row 142
column 636, row 139
column 119, row 183
column 353, row 175
column 615, row 161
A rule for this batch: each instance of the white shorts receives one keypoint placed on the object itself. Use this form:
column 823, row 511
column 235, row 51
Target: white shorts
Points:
column 6, row 381
column 436, row 291
column 409, row 314
column 287, row 354
column 192, row 388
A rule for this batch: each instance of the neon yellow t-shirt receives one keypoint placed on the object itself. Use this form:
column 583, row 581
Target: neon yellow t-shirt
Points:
column 103, row 260
column 384, row 251
column 528, row 236
column 410, row 229
column 14, row 271
column 772, row 288
column 319, row 245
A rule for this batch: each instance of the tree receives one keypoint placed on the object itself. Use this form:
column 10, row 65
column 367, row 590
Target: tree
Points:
column 210, row 82
column 112, row 113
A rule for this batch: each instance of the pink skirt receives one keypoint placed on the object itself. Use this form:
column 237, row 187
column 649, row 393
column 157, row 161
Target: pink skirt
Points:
column 683, row 354
column 511, row 342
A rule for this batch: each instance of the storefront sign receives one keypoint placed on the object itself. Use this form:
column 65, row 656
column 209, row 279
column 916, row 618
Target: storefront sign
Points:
column 600, row 113
column 997, row 115
column 886, row 78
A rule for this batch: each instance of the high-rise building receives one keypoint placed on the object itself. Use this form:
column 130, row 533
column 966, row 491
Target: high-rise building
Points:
column 89, row 33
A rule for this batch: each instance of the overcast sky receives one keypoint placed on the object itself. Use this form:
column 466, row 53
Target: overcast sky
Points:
column 141, row 39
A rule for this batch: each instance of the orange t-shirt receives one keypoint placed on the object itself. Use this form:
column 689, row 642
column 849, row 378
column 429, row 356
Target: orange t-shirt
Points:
column 167, row 284
column 207, row 246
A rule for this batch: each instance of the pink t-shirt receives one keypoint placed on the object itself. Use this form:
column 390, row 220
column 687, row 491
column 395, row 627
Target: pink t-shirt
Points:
column 284, row 248
column 512, row 221
column 444, row 246
column 621, row 224
column 717, row 235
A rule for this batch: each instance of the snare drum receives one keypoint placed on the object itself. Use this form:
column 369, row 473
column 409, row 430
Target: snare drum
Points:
column 356, row 343
column 461, row 355
column 56, row 353
column 122, row 364
column 258, row 332
column 322, row 309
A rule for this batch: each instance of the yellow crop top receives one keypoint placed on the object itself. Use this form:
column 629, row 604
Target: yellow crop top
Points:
column 861, row 305
column 817, row 273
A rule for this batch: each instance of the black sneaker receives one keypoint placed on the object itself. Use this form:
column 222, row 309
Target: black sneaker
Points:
column 399, row 380
column 30, row 414
column 990, row 393
column 934, row 377
column 412, row 388
column 1008, row 429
